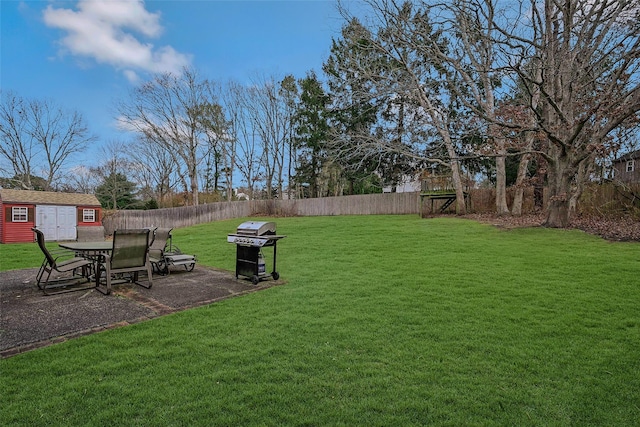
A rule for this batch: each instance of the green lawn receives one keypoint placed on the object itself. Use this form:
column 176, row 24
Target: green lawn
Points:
column 384, row 321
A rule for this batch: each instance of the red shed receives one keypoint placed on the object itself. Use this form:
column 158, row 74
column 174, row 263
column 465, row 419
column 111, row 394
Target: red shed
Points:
column 56, row 214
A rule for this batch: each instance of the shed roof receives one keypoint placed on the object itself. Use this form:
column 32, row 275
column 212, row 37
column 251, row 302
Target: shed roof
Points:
column 48, row 198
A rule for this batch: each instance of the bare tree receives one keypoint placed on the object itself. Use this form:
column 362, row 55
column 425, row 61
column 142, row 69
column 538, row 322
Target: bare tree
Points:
column 392, row 56
column 257, row 137
column 112, row 172
column 39, row 138
column 168, row 111
column 530, row 137
column 474, row 73
column 82, row 179
column 289, row 93
column 270, row 114
column 586, row 58
column 215, row 132
column 578, row 61
column 233, row 111
column 243, row 153
column 156, row 170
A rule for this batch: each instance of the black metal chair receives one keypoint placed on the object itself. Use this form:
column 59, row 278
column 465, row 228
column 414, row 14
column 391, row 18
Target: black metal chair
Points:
column 129, row 256
column 63, row 263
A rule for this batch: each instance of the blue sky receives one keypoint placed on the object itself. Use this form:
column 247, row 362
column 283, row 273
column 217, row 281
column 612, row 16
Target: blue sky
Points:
column 85, row 54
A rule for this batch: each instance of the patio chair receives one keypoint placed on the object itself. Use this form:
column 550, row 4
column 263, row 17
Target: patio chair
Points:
column 129, row 257
column 163, row 253
column 62, row 262
column 157, row 247
column 89, row 233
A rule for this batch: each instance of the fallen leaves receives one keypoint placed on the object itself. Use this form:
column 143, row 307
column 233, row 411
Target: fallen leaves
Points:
column 622, row 229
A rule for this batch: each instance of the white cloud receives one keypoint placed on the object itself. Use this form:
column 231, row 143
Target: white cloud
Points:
column 132, row 76
column 105, row 30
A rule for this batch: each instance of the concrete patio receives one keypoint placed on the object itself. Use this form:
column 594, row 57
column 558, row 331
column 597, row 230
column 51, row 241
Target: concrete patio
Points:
column 29, row 319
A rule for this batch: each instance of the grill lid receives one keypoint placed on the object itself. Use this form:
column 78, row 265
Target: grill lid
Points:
column 256, row 228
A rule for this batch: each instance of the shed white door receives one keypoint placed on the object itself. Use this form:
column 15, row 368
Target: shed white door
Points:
column 56, row 222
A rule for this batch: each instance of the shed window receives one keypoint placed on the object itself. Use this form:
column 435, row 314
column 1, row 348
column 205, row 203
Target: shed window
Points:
column 631, row 165
column 19, row 214
column 88, row 215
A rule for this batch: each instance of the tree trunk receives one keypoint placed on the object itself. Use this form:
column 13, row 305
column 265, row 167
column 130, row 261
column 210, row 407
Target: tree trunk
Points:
column 584, row 170
column 557, row 213
column 501, row 186
column 559, row 178
column 523, row 166
column 269, row 185
column 529, row 138
column 518, row 198
column 501, row 173
column 193, row 177
column 461, row 206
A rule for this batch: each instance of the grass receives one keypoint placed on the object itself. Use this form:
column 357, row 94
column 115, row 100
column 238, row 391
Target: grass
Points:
column 15, row 256
column 385, row 320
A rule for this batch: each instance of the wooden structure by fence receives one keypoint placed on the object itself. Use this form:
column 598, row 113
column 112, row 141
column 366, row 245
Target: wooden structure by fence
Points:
column 438, row 188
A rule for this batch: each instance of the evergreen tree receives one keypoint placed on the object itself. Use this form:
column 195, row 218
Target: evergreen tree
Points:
column 311, row 133
column 380, row 125
column 354, row 109
column 117, row 192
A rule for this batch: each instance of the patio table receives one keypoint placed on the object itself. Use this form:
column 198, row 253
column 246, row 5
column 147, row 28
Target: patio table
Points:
column 90, row 250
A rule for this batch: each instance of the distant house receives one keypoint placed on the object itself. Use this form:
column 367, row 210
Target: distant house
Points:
column 56, row 214
column 626, row 168
column 407, row 184
column 239, row 194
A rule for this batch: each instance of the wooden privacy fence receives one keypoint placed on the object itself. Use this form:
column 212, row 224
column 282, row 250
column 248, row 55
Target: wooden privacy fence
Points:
column 610, row 199
column 481, row 201
column 366, row 204
column 175, row 217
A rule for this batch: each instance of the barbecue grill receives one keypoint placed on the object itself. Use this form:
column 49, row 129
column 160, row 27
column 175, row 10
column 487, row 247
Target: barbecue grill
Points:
column 250, row 237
